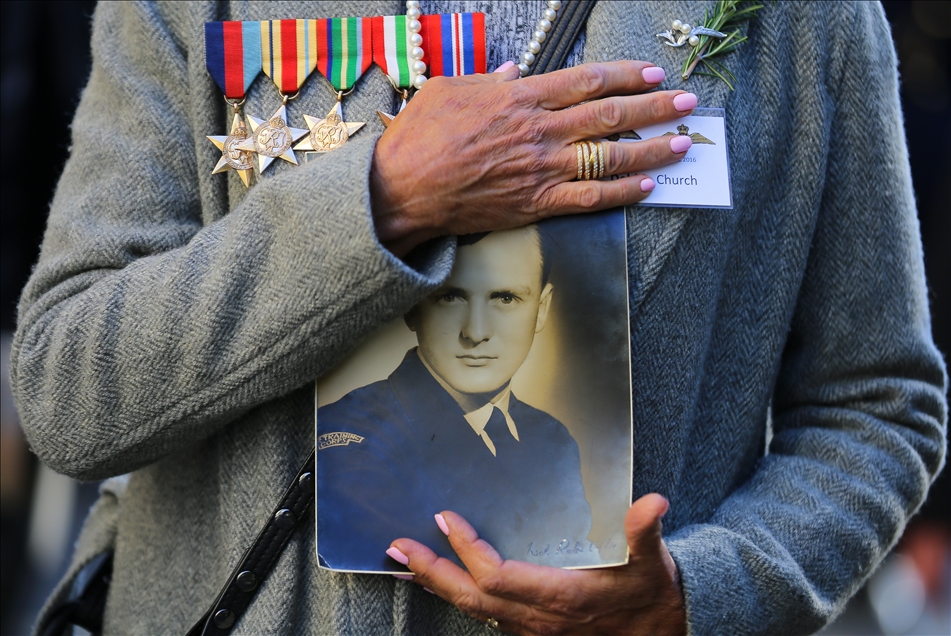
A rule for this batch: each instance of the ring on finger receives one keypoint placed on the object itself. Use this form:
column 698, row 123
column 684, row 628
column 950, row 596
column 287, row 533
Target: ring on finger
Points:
column 578, row 146
column 590, row 160
column 492, row 623
column 597, row 159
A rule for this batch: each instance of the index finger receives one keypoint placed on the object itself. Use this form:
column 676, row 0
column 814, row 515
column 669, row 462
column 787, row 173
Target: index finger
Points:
column 572, row 86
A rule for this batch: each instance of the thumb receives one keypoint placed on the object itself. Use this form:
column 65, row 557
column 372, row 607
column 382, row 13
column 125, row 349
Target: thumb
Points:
column 643, row 526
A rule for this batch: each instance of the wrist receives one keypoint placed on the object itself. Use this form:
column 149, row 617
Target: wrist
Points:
column 396, row 228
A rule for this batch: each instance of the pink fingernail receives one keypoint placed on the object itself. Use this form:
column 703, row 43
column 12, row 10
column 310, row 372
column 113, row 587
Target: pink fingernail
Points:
column 506, row 66
column 441, row 522
column 680, row 143
column 429, row 590
column 396, row 555
column 405, row 577
column 654, row 74
column 647, row 185
column 685, row 101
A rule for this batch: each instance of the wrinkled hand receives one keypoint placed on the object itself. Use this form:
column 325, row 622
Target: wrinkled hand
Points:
column 487, row 152
column 642, row 597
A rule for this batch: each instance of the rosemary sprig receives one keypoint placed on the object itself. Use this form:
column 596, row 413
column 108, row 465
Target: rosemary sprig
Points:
column 727, row 14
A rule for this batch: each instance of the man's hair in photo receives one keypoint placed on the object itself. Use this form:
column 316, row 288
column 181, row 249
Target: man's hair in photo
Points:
column 542, row 239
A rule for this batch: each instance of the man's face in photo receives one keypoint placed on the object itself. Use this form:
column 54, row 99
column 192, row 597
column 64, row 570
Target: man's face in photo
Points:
column 477, row 329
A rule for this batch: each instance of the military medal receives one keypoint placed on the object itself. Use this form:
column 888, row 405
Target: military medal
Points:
column 344, row 53
column 397, row 47
column 288, row 55
column 454, row 45
column 233, row 57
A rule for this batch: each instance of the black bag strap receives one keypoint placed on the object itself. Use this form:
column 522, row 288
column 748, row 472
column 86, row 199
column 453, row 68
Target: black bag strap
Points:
column 86, row 606
column 257, row 563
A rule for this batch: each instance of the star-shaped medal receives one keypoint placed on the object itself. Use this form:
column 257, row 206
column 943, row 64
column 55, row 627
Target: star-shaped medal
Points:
column 328, row 133
column 272, row 138
column 387, row 118
column 232, row 157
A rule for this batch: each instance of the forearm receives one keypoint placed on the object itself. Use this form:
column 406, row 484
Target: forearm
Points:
column 146, row 326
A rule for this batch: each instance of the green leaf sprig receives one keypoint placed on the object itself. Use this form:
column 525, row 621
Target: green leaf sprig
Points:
column 727, row 14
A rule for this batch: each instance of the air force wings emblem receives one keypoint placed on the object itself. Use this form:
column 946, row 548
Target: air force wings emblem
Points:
column 328, row 440
column 696, row 138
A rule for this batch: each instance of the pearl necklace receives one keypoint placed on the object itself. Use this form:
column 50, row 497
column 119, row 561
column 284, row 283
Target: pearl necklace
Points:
column 541, row 32
column 532, row 49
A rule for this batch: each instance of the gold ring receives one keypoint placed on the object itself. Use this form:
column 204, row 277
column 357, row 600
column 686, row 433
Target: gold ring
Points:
column 492, row 623
column 593, row 159
column 580, row 160
column 600, row 146
column 586, row 149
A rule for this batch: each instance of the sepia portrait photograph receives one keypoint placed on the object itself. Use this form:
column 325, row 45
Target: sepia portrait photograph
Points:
column 504, row 396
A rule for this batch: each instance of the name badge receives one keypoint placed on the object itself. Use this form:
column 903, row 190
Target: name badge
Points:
column 702, row 178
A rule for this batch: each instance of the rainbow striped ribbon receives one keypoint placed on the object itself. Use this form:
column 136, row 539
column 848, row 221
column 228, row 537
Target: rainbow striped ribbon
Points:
column 391, row 48
column 233, row 55
column 344, row 50
column 289, row 51
column 454, row 43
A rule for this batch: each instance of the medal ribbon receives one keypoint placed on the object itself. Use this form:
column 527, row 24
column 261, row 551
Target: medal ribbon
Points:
column 454, row 43
column 391, row 48
column 233, row 55
column 288, row 52
column 344, row 50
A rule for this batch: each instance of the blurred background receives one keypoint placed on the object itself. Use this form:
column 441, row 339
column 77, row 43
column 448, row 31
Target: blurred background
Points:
column 45, row 63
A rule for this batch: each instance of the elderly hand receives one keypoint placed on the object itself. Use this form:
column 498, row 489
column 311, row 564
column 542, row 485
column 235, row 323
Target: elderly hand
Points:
column 642, row 597
column 485, row 152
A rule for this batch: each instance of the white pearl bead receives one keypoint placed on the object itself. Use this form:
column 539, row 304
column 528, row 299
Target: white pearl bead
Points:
column 413, row 13
column 417, row 53
column 419, row 67
column 544, row 25
column 419, row 81
column 694, row 40
column 550, row 15
column 676, row 24
column 539, row 36
column 528, row 58
column 685, row 28
column 416, row 39
column 523, row 69
column 554, row 4
column 412, row 4
column 534, row 47
column 413, row 26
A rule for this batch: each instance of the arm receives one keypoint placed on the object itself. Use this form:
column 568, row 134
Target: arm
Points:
column 859, row 410
column 155, row 315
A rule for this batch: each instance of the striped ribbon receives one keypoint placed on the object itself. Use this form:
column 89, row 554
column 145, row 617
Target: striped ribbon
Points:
column 233, row 55
column 391, row 48
column 454, row 43
column 288, row 51
column 344, row 50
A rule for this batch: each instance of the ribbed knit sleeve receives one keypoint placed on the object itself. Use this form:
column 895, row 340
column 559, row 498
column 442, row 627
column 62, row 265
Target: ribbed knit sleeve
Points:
column 859, row 413
column 159, row 312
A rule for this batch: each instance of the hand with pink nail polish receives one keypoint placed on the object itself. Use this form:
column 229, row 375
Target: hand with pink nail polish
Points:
column 489, row 152
column 642, row 597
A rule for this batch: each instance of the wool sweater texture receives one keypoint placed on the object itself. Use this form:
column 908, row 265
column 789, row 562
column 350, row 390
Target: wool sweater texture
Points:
column 788, row 398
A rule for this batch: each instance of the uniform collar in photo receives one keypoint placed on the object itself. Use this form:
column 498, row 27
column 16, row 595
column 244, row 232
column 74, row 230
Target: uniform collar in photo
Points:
column 480, row 417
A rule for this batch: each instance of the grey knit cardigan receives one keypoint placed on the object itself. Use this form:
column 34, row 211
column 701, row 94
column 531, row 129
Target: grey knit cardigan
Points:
column 788, row 398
